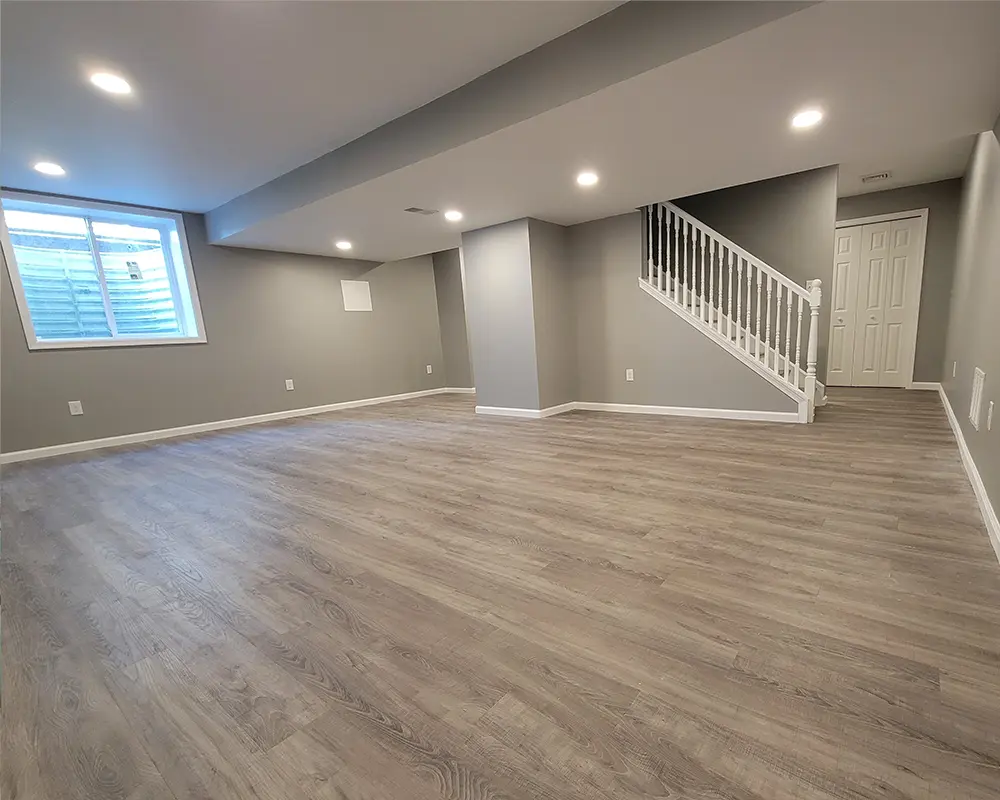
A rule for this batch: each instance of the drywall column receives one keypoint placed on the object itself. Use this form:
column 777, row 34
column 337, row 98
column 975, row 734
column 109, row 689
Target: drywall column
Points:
column 552, row 292
column 500, row 314
column 519, row 306
column 448, row 283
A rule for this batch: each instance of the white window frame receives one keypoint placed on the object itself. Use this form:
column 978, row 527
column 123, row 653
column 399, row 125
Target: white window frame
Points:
column 102, row 212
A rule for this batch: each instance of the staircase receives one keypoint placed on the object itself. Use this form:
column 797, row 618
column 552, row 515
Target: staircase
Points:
column 759, row 315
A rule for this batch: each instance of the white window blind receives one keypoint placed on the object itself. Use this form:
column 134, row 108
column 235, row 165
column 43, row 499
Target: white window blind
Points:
column 87, row 276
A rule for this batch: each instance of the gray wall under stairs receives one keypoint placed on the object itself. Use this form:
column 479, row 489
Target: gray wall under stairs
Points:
column 787, row 222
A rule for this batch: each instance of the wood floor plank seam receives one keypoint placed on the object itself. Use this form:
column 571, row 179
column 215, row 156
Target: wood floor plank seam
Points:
column 409, row 600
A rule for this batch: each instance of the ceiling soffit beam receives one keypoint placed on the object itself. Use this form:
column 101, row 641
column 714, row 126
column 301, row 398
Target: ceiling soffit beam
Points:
column 633, row 38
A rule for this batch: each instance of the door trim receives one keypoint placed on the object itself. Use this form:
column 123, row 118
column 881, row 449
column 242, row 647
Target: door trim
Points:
column 895, row 215
column 916, row 213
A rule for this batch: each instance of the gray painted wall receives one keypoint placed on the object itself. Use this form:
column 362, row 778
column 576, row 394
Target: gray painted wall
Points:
column 787, row 222
column 499, row 310
column 451, row 314
column 942, row 200
column 974, row 327
column 268, row 316
column 552, row 280
column 620, row 327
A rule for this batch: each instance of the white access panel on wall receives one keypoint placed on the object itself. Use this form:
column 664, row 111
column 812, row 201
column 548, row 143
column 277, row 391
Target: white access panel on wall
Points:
column 357, row 295
column 875, row 303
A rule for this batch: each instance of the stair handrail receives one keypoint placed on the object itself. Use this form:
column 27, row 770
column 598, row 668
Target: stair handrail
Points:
column 675, row 272
column 750, row 257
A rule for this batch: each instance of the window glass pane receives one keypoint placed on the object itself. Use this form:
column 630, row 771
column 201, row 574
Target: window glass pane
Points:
column 60, row 279
column 138, row 279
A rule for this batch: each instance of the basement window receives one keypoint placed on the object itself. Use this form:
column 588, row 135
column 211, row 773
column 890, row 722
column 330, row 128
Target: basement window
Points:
column 95, row 275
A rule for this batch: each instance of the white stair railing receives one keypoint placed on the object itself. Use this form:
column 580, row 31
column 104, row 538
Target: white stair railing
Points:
column 761, row 314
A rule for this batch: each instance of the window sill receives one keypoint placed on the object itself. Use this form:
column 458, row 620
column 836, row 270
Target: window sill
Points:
column 90, row 344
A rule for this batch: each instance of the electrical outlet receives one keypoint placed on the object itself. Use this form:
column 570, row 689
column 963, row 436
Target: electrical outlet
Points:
column 289, row 385
column 954, row 368
column 630, row 375
column 989, row 417
column 75, row 408
column 430, row 369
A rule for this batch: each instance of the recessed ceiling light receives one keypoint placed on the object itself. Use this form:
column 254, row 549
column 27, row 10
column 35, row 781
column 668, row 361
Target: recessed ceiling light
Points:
column 587, row 178
column 807, row 118
column 111, row 83
column 48, row 168
column 343, row 245
column 453, row 216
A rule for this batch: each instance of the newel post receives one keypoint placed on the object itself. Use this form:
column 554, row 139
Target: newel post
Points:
column 815, row 299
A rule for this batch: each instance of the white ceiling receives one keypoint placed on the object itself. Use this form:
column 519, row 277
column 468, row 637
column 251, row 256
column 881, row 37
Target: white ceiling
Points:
column 715, row 118
column 938, row 162
column 231, row 94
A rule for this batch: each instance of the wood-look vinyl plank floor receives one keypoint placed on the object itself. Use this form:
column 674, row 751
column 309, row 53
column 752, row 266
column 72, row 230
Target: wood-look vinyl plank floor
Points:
column 409, row 601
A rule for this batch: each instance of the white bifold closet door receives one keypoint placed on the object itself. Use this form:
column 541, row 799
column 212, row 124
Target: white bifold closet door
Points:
column 875, row 300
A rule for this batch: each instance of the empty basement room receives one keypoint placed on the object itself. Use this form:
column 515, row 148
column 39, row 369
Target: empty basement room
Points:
column 477, row 400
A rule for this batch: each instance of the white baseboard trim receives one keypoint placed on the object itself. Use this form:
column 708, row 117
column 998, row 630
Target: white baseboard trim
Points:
column 499, row 411
column 684, row 411
column 464, row 390
column 524, row 413
column 723, row 341
column 985, row 506
column 928, row 386
column 628, row 408
column 561, row 409
column 204, row 427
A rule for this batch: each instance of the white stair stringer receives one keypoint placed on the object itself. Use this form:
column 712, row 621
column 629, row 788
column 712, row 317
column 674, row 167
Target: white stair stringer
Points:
column 747, row 307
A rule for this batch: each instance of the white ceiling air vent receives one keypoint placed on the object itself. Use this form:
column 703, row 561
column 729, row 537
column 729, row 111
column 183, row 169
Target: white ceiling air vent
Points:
column 424, row 212
column 876, row 177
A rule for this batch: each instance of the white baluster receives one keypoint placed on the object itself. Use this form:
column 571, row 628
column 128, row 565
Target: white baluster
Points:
column 798, row 343
column 694, row 269
column 729, row 294
column 664, row 258
column 739, row 301
column 711, row 280
column 701, row 286
column 815, row 298
column 777, row 324
column 788, row 337
column 756, row 344
column 767, row 318
column 649, row 248
column 689, row 254
column 749, row 326
column 685, row 235
column 677, row 261
column 717, row 250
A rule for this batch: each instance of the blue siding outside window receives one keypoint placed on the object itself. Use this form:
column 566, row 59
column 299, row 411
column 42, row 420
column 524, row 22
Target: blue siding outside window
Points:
column 59, row 276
